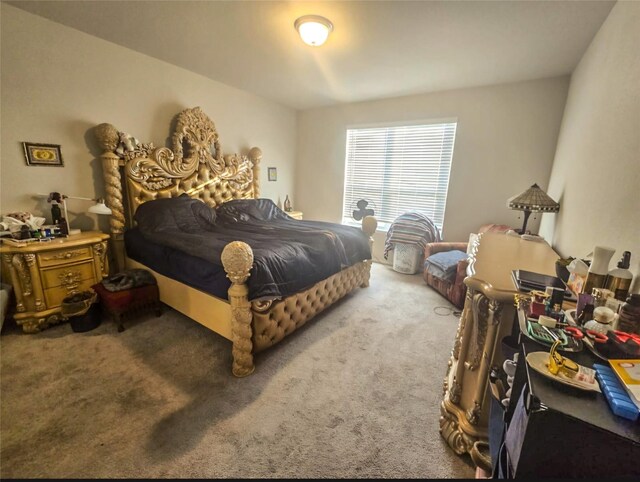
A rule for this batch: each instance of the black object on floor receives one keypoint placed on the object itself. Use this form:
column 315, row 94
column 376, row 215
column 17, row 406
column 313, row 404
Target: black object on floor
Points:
column 87, row 321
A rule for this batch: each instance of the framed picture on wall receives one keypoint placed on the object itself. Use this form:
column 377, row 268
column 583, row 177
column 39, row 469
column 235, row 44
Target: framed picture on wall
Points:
column 42, row 154
column 273, row 174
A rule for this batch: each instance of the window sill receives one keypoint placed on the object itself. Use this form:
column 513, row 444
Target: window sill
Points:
column 381, row 228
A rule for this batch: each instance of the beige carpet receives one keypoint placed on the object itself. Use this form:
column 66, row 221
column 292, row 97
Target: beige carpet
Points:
column 353, row 394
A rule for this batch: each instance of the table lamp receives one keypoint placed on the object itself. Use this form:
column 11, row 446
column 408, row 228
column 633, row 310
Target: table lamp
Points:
column 533, row 200
column 57, row 199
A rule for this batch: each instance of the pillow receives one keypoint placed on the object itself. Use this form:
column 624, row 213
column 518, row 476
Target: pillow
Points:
column 183, row 213
column 444, row 265
column 248, row 210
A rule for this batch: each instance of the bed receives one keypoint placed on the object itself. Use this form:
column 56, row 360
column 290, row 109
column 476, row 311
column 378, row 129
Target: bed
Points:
column 196, row 168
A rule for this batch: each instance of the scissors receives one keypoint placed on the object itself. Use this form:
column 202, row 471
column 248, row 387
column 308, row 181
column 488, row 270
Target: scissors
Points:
column 579, row 333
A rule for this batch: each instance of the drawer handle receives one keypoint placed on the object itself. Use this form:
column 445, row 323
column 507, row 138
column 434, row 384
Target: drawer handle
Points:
column 67, row 255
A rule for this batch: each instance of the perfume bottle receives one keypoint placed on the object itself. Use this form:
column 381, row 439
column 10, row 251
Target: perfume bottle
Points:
column 619, row 279
column 599, row 268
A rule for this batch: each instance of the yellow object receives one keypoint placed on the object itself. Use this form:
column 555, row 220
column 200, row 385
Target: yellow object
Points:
column 44, row 273
column 557, row 362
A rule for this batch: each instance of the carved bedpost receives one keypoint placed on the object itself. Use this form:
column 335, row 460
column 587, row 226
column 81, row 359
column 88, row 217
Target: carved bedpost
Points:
column 255, row 155
column 108, row 139
column 237, row 259
column 369, row 225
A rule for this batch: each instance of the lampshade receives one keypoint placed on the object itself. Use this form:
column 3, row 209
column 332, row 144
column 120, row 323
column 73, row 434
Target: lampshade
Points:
column 99, row 208
column 313, row 29
column 533, row 200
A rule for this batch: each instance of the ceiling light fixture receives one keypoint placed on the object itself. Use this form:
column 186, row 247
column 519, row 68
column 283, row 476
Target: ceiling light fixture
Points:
column 313, row 29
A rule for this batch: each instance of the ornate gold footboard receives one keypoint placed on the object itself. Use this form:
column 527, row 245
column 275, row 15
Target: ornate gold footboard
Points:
column 197, row 167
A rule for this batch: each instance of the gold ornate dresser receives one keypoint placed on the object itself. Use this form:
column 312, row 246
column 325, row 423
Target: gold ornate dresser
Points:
column 487, row 317
column 44, row 273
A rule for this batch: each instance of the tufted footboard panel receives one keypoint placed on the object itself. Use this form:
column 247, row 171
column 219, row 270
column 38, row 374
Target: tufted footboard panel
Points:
column 272, row 321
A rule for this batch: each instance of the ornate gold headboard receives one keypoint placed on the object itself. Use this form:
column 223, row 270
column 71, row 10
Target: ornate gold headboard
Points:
column 195, row 165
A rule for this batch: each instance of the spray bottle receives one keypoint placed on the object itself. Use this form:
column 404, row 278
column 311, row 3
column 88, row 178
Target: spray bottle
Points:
column 619, row 279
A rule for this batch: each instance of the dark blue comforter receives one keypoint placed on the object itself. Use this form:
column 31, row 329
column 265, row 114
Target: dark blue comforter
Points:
column 289, row 255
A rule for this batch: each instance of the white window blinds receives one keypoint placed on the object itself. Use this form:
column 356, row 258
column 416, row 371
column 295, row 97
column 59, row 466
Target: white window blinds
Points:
column 399, row 169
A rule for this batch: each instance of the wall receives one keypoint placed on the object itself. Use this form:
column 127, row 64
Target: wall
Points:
column 505, row 141
column 596, row 171
column 58, row 83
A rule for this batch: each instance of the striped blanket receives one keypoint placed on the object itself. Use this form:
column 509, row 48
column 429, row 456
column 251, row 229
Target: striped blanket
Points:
column 411, row 228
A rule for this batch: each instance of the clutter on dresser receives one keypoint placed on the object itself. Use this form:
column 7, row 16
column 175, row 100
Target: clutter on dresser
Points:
column 57, row 199
column 16, row 224
column 592, row 324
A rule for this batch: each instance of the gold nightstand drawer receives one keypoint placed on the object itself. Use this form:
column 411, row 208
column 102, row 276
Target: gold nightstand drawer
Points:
column 67, row 276
column 64, row 256
column 54, row 296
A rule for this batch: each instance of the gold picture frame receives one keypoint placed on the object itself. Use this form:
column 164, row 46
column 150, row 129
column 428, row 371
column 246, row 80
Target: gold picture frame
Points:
column 42, row 154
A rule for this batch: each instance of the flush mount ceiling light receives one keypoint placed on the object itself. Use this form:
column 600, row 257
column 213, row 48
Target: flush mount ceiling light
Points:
column 313, row 29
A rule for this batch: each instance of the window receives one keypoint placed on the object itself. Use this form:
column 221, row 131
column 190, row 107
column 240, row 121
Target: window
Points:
column 399, row 169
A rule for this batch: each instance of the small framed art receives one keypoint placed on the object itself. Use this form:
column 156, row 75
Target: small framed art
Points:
column 273, row 174
column 42, row 154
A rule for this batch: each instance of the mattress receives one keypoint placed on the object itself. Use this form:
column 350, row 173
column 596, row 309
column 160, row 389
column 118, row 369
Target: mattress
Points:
column 177, row 265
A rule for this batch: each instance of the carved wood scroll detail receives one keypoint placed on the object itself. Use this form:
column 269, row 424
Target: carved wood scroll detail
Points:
column 480, row 312
column 20, row 266
column 195, row 164
column 461, row 324
column 450, row 430
column 70, row 279
column 101, row 251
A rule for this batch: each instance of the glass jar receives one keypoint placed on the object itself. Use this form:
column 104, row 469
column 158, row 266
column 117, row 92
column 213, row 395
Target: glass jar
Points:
column 602, row 320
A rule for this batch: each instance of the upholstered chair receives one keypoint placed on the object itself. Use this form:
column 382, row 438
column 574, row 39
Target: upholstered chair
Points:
column 446, row 275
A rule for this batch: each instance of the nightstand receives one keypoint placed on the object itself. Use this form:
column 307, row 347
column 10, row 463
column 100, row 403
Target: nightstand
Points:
column 295, row 214
column 44, row 273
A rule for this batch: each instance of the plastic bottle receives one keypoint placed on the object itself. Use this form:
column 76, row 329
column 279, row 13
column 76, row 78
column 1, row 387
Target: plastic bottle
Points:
column 619, row 279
